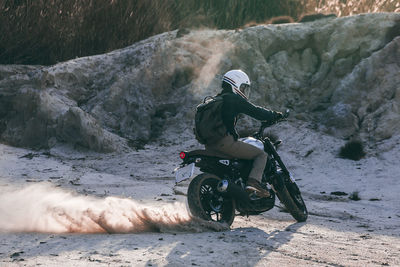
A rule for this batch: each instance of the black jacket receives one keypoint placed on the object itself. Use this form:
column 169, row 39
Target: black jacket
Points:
column 234, row 105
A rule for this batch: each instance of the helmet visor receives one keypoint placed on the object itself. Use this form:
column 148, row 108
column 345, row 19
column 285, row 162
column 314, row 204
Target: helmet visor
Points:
column 245, row 89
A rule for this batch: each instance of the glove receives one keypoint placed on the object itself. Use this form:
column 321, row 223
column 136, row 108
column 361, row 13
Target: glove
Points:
column 279, row 116
column 286, row 113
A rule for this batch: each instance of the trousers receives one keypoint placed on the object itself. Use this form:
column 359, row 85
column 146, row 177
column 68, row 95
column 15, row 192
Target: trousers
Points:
column 238, row 149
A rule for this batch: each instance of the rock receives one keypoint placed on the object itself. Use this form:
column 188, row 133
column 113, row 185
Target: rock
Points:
column 78, row 127
column 339, row 193
column 341, row 73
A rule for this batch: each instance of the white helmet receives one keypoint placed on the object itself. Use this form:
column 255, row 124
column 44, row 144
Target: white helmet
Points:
column 239, row 81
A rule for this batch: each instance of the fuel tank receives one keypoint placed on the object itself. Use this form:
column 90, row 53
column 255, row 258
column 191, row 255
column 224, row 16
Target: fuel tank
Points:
column 252, row 141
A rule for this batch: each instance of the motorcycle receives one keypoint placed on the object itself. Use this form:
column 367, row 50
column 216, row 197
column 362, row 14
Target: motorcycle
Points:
column 219, row 191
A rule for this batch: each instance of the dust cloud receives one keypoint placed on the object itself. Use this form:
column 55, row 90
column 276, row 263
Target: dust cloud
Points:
column 46, row 209
column 207, row 73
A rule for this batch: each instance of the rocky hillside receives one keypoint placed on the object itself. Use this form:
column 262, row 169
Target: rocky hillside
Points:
column 341, row 74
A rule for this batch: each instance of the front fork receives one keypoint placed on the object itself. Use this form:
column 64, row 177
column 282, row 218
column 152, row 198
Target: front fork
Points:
column 272, row 175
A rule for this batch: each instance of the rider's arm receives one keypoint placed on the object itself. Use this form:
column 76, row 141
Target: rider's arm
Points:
column 258, row 113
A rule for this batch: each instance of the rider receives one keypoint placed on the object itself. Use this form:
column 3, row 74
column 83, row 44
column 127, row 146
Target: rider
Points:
column 235, row 93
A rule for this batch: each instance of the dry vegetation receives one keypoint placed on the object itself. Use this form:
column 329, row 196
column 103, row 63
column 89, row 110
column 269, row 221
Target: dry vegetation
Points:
column 352, row 7
column 49, row 31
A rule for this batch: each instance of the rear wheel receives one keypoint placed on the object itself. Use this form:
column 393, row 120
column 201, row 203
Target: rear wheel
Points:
column 291, row 197
column 207, row 203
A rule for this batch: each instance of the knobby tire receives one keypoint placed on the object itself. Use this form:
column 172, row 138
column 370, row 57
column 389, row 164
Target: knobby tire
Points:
column 201, row 189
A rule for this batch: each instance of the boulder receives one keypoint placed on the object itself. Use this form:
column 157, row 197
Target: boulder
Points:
column 340, row 73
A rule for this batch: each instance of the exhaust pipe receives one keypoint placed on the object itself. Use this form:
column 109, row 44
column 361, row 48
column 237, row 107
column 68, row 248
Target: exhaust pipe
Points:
column 222, row 186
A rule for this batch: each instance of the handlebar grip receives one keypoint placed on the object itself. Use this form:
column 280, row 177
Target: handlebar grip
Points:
column 285, row 114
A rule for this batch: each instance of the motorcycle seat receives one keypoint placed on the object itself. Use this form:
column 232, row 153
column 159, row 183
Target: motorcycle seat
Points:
column 201, row 152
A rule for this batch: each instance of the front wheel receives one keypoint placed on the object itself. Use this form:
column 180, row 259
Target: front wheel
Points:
column 291, row 197
column 207, row 203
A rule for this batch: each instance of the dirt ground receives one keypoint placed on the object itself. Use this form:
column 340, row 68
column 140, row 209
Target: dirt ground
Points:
column 71, row 207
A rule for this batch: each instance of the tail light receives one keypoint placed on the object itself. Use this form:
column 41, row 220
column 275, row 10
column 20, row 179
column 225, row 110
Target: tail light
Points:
column 182, row 155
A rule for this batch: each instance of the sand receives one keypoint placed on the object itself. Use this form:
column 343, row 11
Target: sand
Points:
column 71, row 207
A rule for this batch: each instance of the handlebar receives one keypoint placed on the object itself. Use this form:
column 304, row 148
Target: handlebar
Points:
column 266, row 124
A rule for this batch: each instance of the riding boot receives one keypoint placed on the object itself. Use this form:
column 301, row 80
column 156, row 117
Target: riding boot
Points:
column 254, row 186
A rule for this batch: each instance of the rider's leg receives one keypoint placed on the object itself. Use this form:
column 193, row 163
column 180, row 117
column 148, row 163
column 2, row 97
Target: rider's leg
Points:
column 239, row 149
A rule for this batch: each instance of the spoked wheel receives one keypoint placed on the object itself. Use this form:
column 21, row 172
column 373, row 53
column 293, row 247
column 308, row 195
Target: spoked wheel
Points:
column 291, row 197
column 207, row 203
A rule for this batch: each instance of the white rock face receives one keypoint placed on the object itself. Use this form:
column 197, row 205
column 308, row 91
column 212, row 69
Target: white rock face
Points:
column 341, row 73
